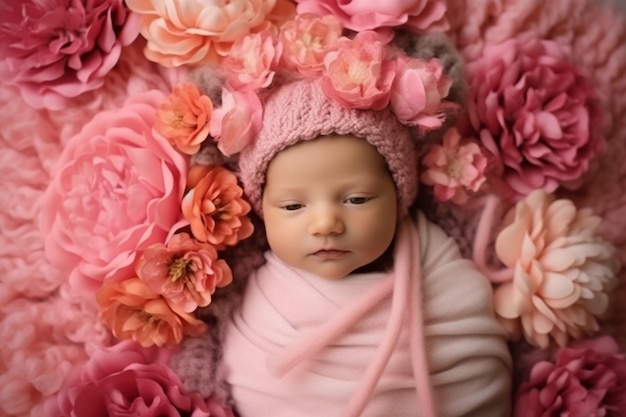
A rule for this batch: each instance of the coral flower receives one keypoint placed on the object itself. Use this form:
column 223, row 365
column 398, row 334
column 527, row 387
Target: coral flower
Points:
column 184, row 271
column 453, row 168
column 562, row 269
column 307, row 39
column 131, row 311
column 359, row 73
column 184, row 118
column 216, row 210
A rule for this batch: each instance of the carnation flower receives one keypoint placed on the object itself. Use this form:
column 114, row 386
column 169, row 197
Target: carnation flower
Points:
column 184, row 271
column 132, row 381
column 359, row 73
column 116, row 190
column 536, row 113
column 56, row 50
column 184, row 118
column 562, row 270
column 202, row 32
column 307, row 39
column 132, row 311
column 452, row 168
column 588, row 379
column 216, row 210
column 359, row 15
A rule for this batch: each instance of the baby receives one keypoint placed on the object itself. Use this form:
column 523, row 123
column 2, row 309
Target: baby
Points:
column 362, row 308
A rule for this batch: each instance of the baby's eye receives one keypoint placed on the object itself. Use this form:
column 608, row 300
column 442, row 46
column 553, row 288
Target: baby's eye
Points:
column 358, row 200
column 292, row 206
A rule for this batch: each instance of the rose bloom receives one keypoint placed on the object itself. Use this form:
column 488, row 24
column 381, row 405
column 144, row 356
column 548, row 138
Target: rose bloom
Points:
column 116, row 190
column 536, row 113
column 127, row 380
column 184, row 118
column 563, row 270
column 417, row 92
column 237, row 121
column 216, row 210
column 252, row 61
column 202, row 32
column 132, row 311
column 587, row 379
column 359, row 74
column 452, row 168
column 307, row 39
column 359, row 15
column 56, row 50
column 184, row 271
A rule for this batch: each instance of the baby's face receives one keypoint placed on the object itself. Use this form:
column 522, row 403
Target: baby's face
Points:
column 329, row 205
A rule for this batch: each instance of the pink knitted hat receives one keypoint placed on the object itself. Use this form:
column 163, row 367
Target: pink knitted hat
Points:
column 300, row 111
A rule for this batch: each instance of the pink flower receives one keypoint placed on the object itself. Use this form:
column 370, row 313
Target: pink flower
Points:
column 535, row 113
column 563, row 270
column 117, row 190
column 588, row 379
column 237, row 121
column 453, row 168
column 359, row 73
column 129, row 381
column 184, row 271
column 359, row 15
column 56, row 50
column 417, row 92
column 252, row 61
column 307, row 39
column 202, row 32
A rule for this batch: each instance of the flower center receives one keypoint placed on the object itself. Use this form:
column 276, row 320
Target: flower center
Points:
column 178, row 268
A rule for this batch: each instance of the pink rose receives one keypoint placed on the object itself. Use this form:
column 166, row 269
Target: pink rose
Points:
column 359, row 15
column 536, row 114
column 116, row 190
column 237, row 121
column 588, row 379
column 127, row 380
column 58, row 49
column 359, row 73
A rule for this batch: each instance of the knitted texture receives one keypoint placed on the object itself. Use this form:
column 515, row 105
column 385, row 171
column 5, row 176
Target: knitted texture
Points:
column 300, row 111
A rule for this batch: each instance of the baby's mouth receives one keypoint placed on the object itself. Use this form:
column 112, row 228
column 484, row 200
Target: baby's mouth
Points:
column 329, row 254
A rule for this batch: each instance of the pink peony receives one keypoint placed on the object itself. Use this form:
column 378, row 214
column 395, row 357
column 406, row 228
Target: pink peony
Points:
column 237, row 121
column 587, row 379
column 562, row 267
column 117, row 189
column 202, row 32
column 535, row 113
column 128, row 380
column 184, row 271
column 306, row 41
column 359, row 15
column 56, row 50
column 417, row 92
column 453, row 168
column 359, row 74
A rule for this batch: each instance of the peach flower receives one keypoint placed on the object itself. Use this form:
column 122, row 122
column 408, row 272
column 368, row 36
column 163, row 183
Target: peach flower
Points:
column 184, row 271
column 201, row 32
column 216, row 210
column 359, row 15
column 359, row 73
column 132, row 311
column 453, row 168
column 253, row 60
column 418, row 91
column 116, row 190
column 563, row 270
column 184, row 118
column 237, row 121
column 307, row 39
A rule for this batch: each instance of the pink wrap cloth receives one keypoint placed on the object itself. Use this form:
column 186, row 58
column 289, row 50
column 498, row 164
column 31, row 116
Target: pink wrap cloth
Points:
column 282, row 360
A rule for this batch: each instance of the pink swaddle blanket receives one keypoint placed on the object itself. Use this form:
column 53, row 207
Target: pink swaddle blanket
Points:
column 274, row 366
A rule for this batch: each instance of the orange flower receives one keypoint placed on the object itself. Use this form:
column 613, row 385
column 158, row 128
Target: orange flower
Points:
column 184, row 118
column 131, row 311
column 216, row 210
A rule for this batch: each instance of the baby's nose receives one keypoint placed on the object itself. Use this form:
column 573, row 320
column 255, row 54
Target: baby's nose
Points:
column 326, row 220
